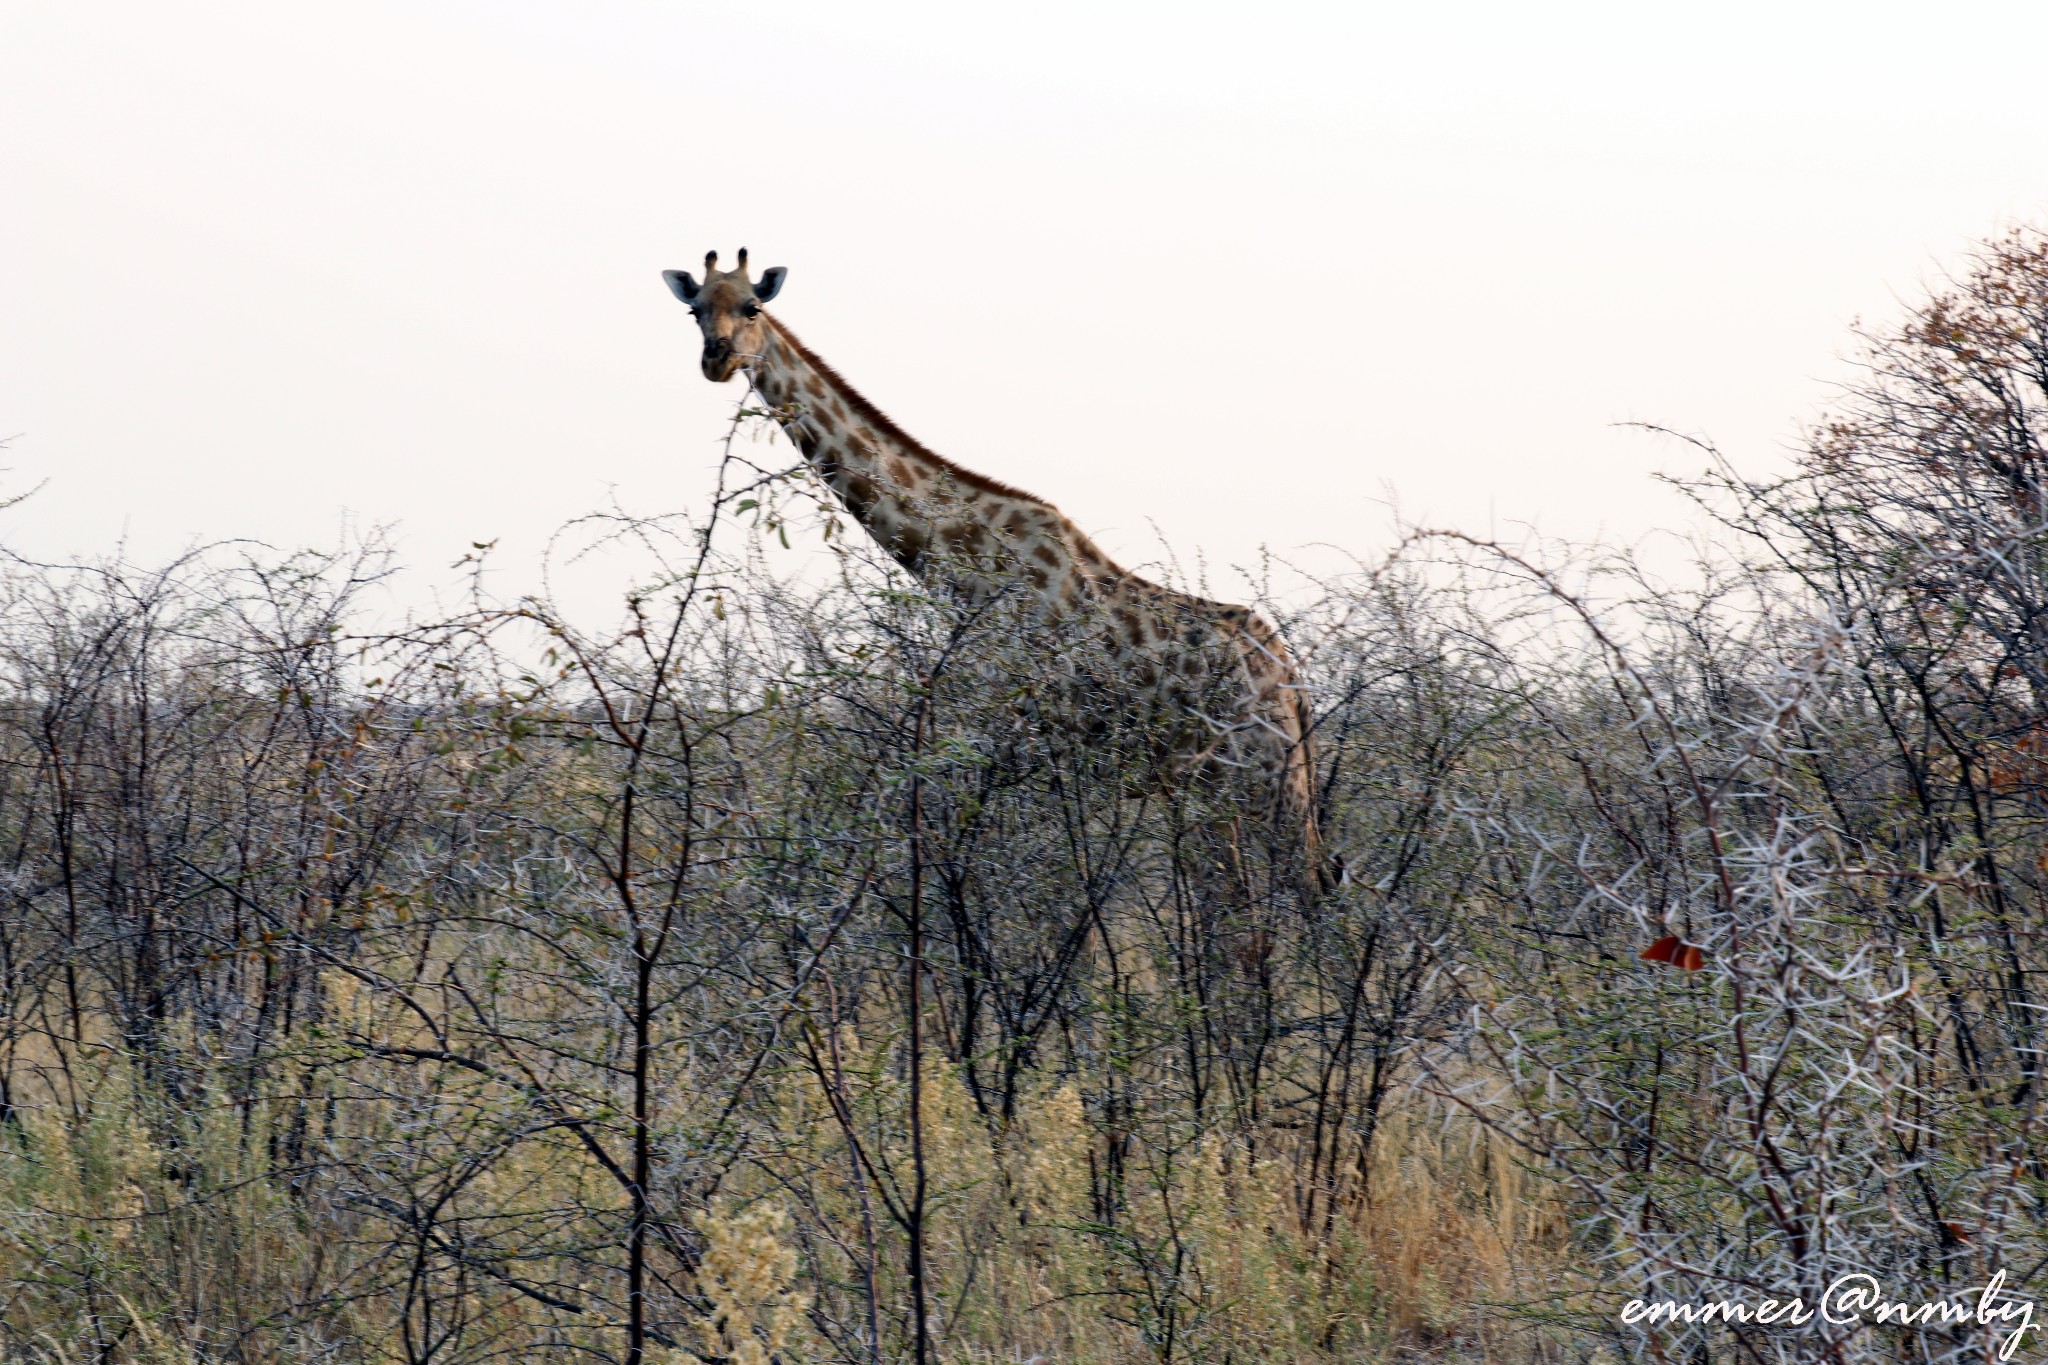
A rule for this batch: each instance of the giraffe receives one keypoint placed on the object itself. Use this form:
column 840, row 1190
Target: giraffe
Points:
column 951, row 527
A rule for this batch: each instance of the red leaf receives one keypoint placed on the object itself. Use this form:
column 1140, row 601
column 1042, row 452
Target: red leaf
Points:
column 1664, row 950
column 1673, row 951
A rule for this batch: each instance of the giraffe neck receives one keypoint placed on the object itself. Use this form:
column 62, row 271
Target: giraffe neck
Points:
column 911, row 500
column 879, row 476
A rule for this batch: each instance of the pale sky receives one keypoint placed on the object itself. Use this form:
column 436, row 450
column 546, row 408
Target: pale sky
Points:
column 1236, row 272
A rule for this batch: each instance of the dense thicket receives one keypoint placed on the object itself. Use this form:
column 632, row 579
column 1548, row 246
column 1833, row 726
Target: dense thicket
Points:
column 777, row 976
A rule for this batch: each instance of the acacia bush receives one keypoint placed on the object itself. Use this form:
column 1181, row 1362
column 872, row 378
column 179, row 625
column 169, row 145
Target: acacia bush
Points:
column 810, row 966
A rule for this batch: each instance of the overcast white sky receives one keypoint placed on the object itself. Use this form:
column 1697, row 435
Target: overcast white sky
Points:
column 1237, row 271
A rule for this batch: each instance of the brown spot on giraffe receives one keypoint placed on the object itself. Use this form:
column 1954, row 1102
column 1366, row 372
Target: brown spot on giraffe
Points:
column 963, row 537
column 908, row 544
column 857, row 491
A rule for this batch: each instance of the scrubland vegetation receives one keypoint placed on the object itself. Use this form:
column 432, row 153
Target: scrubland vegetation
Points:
column 775, row 977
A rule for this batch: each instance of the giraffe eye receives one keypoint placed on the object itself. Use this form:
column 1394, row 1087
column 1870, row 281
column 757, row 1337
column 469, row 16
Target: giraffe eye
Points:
column 752, row 310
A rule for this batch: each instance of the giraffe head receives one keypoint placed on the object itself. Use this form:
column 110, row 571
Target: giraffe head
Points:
column 727, row 306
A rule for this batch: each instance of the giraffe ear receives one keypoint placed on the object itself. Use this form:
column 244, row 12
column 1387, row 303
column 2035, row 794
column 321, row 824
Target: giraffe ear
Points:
column 771, row 283
column 680, row 284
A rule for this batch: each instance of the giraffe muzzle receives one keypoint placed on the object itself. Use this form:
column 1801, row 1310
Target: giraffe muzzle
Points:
column 718, row 359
